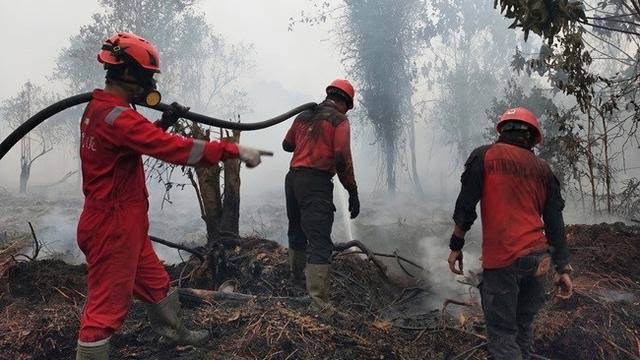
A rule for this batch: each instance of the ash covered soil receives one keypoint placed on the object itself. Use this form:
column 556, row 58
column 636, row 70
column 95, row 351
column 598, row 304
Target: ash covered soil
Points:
column 41, row 302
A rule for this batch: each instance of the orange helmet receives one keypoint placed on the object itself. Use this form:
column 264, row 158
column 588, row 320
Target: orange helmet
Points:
column 522, row 115
column 345, row 87
column 125, row 47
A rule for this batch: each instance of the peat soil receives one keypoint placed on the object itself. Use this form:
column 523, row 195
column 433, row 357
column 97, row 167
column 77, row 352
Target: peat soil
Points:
column 378, row 317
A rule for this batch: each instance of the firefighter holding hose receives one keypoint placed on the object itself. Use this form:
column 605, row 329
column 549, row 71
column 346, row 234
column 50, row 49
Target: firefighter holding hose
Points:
column 113, row 227
column 320, row 142
column 522, row 229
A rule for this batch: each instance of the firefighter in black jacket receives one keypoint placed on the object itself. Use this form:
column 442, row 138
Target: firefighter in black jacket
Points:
column 521, row 222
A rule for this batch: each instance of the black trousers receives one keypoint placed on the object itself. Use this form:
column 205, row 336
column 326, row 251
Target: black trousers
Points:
column 511, row 298
column 310, row 211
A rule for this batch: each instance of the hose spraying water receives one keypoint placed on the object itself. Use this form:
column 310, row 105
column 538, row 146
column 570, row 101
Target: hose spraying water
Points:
column 344, row 212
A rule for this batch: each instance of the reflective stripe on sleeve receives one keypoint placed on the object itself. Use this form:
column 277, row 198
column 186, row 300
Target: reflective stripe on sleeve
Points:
column 197, row 151
column 114, row 113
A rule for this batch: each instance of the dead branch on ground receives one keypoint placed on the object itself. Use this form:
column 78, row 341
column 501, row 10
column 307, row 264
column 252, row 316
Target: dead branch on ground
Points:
column 37, row 245
column 200, row 297
column 370, row 255
column 170, row 244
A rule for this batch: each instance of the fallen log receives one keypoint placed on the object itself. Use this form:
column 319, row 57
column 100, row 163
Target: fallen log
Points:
column 170, row 244
column 207, row 297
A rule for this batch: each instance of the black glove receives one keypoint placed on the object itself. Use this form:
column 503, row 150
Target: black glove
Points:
column 171, row 116
column 354, row 203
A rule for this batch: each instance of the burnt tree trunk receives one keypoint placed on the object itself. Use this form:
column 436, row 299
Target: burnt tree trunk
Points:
column 390, row 156
column 230, row 221
column 25, row 171
column 25, row 163
column 209, row 185
column 219, row 216
column 208, row 189
column 607, row 166
column 591, row 161
column 414, row 166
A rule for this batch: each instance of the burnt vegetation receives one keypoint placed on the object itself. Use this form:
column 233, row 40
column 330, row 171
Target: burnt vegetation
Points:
column 448, row 66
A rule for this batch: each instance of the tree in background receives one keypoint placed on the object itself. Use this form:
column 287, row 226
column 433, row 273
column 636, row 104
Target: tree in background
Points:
column 467, row 59
column 455, row 48
column 16, row 110
column 561, row 147
column 591, row 55
column 378, row 42
column 199, row 69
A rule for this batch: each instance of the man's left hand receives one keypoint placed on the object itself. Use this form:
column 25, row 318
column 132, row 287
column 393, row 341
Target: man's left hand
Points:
column 171, row 116
column 456, row 257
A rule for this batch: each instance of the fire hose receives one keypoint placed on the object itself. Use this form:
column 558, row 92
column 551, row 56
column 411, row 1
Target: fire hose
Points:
column 61, row 105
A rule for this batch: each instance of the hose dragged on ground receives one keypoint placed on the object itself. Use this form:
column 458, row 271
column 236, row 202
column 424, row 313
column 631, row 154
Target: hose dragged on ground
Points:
column 61, row 105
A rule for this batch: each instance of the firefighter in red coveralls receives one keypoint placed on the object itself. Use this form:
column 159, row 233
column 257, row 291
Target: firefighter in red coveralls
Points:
column 522, row 232
column 112, row 231
column 320, row 142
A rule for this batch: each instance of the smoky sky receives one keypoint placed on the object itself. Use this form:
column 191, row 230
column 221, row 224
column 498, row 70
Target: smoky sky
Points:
column 304, row 59
column 292, row 67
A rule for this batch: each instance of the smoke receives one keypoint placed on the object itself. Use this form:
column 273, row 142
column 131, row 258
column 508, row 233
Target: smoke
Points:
column 417, row 227
column 57, row 231
column 342, row 209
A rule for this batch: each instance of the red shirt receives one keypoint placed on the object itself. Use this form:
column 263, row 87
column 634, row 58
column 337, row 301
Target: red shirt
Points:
column 513, row 201
column 320, row 139
column 113, row 139
column 521, row 204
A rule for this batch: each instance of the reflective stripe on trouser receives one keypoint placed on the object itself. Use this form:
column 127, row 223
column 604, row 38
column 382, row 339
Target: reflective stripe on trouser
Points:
column 310, row 210
column 511, row 298
column 121, row 263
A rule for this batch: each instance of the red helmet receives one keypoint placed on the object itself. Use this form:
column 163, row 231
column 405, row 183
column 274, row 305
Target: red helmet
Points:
column 344, row 86
column 124, row 47
column 523, row 115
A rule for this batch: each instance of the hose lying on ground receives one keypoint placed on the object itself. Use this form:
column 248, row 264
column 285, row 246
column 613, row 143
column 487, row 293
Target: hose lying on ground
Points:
column 49, row 111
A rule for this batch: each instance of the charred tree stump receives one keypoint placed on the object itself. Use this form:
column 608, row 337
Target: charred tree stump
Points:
column 208, row 179
column 230, row 221
column 209, row 183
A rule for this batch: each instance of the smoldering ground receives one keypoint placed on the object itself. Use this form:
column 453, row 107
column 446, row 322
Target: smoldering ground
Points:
column 458, row 79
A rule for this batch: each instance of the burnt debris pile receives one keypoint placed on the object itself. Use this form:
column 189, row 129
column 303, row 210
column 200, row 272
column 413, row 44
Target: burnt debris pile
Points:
column 256, row 311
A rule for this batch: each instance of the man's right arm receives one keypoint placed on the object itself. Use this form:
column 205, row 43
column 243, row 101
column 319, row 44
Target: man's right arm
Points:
column 142, row 136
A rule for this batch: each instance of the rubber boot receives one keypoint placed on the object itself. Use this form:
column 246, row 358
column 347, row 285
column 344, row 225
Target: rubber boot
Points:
column 166, row 319
column 98, row 350
column 317, row 278
column 297, row 262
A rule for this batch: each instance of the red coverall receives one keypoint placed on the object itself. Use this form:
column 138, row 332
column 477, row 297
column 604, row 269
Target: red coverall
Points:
column 112, row 231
